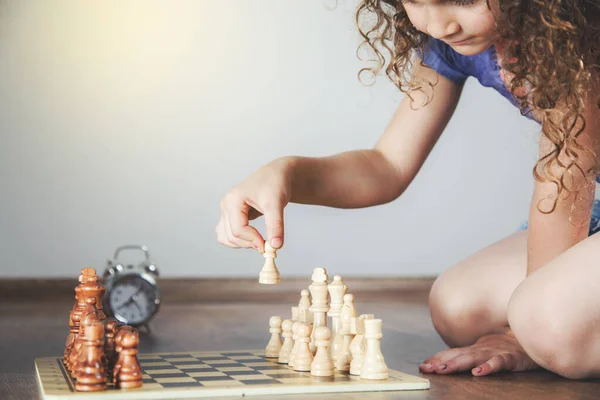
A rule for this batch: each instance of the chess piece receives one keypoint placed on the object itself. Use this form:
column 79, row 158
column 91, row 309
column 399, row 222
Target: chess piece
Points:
column 129, row 374
column 91, row 375
column 320, row 299
column 269, row 273
column 294, row 351
column 295, row 314
column 304, row 305
column 121, row 331
column 111, row 325
column 358, row 346
column 274, row 345
column 348, row 311
column 304, row 357
column 374, row 366
column 322, row 364
column 91, row 286
column 337, row 289
column 288, row 342
column 88, row 316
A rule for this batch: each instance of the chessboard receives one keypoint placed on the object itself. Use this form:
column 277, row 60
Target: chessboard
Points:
column 217, row 374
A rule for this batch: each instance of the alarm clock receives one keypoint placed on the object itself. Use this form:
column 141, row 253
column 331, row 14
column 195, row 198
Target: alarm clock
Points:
column 132, row 294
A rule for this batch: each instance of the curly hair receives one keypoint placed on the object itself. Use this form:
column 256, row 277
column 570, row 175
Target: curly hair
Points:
column 552, row 51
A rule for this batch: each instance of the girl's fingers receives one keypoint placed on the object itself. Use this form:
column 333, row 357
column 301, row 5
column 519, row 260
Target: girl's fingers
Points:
column 495, row 364
column 462, row 362
column 433, row 363
column 222, row 235
column 239, row 228
column 236, row 242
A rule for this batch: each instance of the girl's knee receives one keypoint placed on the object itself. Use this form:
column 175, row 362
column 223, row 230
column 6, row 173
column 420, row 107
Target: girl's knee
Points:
column 546, row 336
column 456, row 313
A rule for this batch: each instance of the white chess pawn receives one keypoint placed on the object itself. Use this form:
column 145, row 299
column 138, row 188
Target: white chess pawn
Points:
column 288, row 342
column 269, row 273
column 358, row 346
column 294, row 351
column 274, row 345
column 322, row 364
column 304, row 307
column 337, row 289
column 374, row 366
column 344, row 357
column 304, row 357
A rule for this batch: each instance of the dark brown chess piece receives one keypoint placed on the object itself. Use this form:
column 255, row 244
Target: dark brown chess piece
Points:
column 129, row 373
column 90, row 371
column 120, row 333
column 92, row 287
column 89, row 315
column 111, row 325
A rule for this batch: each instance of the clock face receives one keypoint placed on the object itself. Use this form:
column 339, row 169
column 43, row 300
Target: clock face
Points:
column 133, row 300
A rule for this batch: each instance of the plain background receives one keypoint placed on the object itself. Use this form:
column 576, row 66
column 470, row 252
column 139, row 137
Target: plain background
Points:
column 127, row 121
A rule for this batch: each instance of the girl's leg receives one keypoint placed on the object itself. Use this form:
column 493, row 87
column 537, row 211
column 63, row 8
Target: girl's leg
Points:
column 470, row 299
column 555, row 312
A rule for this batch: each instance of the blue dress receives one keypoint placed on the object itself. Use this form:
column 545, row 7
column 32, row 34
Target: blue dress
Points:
column 484, row 67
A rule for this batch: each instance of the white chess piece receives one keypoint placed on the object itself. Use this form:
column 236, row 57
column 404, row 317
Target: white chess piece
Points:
column 322, row 364
column 269, row 273
column 337, row 290
column 304, row 305
column 304, row 357
column 288, row 342
column 348, row 312
column 274, row 345
column 320, row 298
column 358, row 346
column 295, row 327
column 374, row 366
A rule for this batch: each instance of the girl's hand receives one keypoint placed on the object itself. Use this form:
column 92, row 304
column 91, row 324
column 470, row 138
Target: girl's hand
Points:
column 490, row 354
column 266, row 192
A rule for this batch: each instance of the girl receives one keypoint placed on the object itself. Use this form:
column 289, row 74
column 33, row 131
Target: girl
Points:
column 530, row 300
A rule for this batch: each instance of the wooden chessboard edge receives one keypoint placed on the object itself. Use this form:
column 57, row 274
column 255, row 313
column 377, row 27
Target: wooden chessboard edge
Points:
column 410, row 382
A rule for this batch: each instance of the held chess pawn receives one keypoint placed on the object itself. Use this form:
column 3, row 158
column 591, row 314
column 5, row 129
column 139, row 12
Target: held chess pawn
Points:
column 374, row 366
column 288, row 342
column 91, row 375
column 322, row 364
column 269, row 273
column 304, row 356
column 274, row 345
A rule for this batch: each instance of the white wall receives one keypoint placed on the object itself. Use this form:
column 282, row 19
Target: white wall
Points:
column 125, row 122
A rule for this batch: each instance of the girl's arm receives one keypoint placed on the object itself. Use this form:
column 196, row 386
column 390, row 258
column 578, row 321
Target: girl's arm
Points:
column 363, row 178
column 552, row 234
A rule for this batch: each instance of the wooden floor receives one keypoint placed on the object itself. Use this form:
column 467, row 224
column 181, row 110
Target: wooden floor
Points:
column 227, row 315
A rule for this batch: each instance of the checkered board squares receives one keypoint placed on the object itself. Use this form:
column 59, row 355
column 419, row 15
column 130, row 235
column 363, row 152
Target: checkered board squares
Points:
column 217, row 374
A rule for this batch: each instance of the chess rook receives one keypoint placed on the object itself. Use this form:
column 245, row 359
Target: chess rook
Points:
column 274, row 345
column 337, row 289
column 320, row 299
column 322, row 364
column 269, row 274
column 374, row 366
